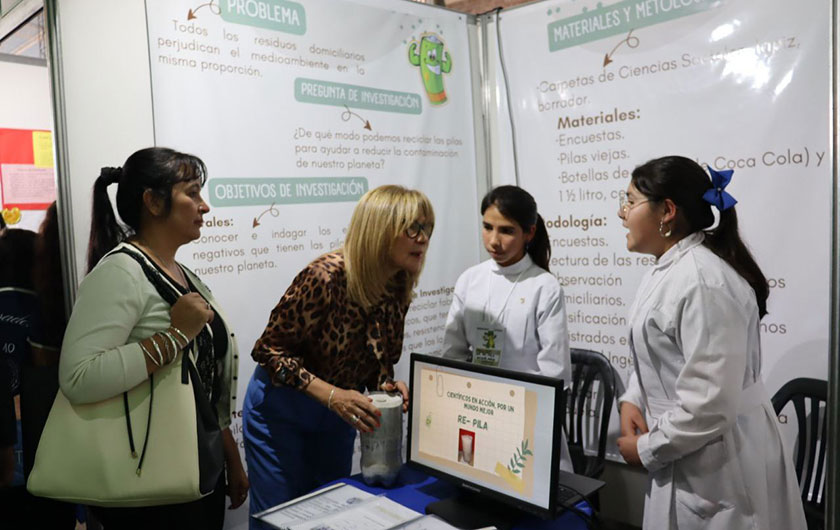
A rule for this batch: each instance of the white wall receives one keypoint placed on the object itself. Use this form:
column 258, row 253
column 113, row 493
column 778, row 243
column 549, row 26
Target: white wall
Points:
column 95, row 139
column 24, row 96
column 8, row 5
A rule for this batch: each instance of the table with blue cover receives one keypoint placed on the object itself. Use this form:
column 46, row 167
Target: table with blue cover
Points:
column 415, row 489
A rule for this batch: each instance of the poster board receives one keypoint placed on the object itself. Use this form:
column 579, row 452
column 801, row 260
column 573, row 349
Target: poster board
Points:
column 735, row 85
column 769, row 62
column 296, row 118
column 27, row 175
column 332, row 111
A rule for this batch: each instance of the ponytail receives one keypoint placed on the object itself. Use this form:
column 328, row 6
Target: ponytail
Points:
column 106, row 232
column 540, row 248
column 154, row 169
column 726, row 243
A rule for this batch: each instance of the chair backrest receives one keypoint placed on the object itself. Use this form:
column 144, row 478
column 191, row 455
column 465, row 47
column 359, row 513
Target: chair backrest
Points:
column 809, row 398
column 588, row 414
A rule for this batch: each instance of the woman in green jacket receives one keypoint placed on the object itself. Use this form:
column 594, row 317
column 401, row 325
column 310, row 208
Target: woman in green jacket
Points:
column 122, row 331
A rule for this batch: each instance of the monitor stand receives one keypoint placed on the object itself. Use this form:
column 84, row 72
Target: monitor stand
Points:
column 469, row 511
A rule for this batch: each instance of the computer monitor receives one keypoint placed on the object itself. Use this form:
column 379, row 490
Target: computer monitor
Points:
column 491, row 431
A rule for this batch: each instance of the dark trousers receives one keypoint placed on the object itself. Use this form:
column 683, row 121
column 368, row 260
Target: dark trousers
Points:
column 21, row 510
column 293, row 444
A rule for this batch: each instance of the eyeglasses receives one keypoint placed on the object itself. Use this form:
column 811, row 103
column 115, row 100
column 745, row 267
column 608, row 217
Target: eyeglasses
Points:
column 414, row 229
column 624, row 203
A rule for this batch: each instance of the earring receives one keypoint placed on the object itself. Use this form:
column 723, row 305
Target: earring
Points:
column 662, row 227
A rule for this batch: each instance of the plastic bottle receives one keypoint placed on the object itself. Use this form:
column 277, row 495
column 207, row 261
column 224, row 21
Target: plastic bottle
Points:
column 382, row 448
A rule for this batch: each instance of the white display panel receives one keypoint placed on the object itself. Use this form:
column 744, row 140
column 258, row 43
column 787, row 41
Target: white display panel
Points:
column 743, row 83
column 296, row 118
column 736, row 85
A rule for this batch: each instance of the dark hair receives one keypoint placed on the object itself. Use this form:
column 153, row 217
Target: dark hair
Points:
column 47, row 276
column 154, row 168
column 683, row 181
column 518, row 205
column 17, row 253
column 2, row 223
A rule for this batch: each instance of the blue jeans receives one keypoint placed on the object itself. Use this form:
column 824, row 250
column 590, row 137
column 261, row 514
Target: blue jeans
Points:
column 293, row 444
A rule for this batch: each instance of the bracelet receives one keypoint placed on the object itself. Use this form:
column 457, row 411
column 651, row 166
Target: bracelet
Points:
column 329, row 401
column 157, row 350
column 180, row 334
column 175, row 345
column 149, row 355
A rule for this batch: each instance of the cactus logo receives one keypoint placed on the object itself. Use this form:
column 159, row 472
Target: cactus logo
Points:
column 434, row 61
column 489, row 339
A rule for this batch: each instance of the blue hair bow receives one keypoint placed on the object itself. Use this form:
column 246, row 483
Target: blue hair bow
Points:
column 715, row 195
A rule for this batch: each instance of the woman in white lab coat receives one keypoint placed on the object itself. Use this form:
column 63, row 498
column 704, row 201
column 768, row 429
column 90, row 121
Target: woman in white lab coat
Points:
column 696, row 414
column 509, row 311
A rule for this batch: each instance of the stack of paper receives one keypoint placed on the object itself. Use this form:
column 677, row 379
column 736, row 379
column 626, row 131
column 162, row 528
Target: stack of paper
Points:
column 345, row 507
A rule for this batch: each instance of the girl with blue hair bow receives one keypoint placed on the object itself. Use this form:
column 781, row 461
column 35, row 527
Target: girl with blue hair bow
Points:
column 696, row 414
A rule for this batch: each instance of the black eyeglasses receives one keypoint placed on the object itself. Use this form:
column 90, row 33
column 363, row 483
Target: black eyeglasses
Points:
column 414, row 229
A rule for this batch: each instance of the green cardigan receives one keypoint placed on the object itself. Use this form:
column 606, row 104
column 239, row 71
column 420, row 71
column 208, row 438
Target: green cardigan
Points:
column 117, row 307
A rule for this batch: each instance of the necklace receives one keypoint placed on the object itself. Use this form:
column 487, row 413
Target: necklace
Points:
column 179, row 277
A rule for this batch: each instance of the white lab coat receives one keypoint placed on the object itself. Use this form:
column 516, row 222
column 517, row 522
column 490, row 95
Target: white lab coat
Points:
column 528, row 303
column 714, row 452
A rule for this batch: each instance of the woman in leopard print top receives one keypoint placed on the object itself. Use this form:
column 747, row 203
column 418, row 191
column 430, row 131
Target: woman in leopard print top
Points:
column 336, row 332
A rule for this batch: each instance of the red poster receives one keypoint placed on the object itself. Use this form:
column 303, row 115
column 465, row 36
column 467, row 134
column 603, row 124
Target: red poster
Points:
column 27, row 176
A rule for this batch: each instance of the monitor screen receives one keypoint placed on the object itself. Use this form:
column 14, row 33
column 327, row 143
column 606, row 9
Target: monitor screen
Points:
column 490, row 430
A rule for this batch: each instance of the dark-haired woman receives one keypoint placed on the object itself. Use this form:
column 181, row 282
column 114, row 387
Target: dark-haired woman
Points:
column 509, row 311
column 708, row 435
column 122, row 329
column 18, row 300
column 39, row 371
column 17, row 305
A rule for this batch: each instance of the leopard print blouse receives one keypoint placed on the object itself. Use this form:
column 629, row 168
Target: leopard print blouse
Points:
column 317, row 331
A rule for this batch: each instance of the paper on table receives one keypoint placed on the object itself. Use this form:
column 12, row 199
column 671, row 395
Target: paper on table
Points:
column 378, row 513
column 431, row 522
column 333, row 499
column 339, row 507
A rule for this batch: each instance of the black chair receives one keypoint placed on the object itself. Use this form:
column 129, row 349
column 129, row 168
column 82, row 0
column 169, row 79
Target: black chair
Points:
column 809, row 397
column 588, row 413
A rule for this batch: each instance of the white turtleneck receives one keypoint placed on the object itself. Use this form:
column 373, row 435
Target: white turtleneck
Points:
column 523, row 299
column 528, row 303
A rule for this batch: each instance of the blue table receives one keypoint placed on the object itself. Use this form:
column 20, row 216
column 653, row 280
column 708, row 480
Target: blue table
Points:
column 415, row 489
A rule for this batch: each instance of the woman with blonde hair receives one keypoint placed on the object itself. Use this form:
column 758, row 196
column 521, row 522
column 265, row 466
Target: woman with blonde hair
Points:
column 336, row 332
